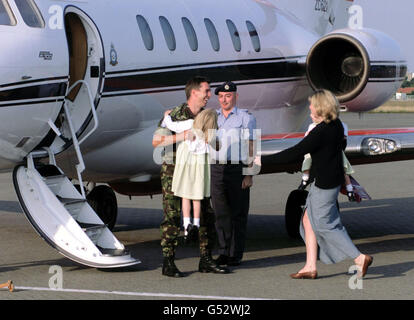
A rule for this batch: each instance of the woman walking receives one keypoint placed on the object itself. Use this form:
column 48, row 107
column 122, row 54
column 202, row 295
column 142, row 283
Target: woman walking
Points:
column 321, row 224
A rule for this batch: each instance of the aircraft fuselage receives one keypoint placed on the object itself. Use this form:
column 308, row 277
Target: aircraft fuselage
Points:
column 136, row 57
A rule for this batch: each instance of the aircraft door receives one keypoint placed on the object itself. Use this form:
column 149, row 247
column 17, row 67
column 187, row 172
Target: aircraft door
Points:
column 86, row 63
column 53, row 205
column 78, row 48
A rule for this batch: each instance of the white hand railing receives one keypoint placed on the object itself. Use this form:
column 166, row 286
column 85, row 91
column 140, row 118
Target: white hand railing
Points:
column 76, row 143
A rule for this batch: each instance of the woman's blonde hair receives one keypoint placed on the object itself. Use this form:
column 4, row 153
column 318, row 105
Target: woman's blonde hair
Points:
column 326, row 105
column 205, row 124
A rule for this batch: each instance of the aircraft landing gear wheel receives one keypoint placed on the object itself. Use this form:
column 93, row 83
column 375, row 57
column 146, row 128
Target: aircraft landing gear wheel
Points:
column 103, row 200
column 293, row 212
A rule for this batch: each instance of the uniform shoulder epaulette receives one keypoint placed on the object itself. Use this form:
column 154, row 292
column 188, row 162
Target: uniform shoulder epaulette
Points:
column 246, row 111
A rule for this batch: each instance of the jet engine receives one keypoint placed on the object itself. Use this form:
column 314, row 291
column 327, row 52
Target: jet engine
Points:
column 362, row 67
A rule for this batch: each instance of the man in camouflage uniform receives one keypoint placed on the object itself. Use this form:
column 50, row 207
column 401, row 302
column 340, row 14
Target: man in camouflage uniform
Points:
column 198, row 93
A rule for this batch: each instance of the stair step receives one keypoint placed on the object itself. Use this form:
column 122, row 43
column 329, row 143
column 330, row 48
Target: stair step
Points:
column 73, row 206
column 113, row 252
column 55, row 177
column 48, row 170
column 90, row 226
column 93, row 231
column 69, row 201
column 54, row 181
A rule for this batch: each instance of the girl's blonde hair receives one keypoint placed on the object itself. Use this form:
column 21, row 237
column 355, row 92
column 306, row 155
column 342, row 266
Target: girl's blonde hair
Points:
column 205, row 123
column 326, row 105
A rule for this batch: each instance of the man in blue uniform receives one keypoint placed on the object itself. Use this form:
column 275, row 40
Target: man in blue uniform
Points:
column 230, row 189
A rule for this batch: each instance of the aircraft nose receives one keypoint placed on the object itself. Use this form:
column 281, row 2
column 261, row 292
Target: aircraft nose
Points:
column 31, row 97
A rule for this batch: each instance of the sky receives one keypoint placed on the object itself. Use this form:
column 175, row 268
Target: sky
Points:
column 394, row 18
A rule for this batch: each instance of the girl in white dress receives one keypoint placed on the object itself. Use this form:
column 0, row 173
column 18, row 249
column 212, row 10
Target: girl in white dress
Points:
column 191, row 179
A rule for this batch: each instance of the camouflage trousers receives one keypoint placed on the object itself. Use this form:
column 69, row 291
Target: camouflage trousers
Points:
column 170, row 224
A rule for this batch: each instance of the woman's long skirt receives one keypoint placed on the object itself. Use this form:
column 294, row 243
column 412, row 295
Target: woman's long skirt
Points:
column 334, row 242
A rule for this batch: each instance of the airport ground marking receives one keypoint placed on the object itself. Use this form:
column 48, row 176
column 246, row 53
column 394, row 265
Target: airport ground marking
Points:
column 137, row 294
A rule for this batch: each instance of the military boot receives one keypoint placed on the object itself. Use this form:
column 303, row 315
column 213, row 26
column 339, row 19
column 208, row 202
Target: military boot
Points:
column 169, row 268
column 207, row 264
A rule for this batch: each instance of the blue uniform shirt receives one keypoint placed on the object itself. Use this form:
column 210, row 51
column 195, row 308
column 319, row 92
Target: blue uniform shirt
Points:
column 234, row 133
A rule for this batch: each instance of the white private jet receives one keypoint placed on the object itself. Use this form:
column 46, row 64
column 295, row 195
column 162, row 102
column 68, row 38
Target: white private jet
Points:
column 100, row 74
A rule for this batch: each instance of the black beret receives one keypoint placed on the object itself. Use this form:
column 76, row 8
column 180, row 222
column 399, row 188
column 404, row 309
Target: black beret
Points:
column 226, row 87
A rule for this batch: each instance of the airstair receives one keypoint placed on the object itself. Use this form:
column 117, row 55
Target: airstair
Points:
column 61, row 214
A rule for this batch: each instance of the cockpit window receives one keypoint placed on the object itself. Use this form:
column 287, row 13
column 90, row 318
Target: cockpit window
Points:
column 30, row 13
column 6, row 15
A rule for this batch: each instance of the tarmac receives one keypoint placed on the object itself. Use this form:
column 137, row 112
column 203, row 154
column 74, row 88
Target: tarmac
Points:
column 382, row 227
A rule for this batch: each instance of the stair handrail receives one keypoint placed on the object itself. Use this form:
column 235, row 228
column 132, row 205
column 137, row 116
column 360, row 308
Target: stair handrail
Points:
column 80, row 167
column 94, row 114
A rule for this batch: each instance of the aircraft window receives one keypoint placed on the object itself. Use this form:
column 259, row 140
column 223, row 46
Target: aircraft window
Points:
column 235, row 37
column 30, row 13
column 6, row 15
column 212, row 33
column 146, row 33
column 168, row 33
column 254, row 36
column 191, row 35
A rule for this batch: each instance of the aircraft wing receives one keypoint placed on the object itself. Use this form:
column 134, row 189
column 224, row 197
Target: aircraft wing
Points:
column 363, row 147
